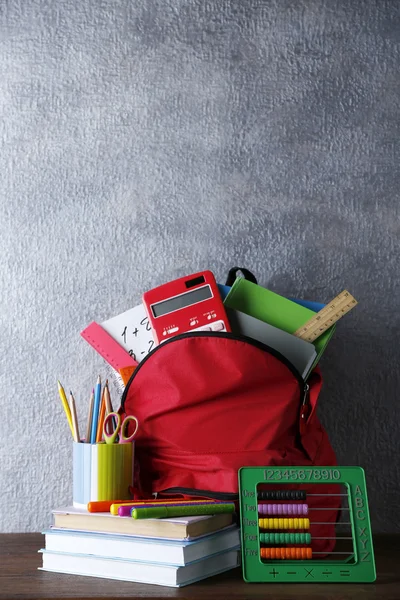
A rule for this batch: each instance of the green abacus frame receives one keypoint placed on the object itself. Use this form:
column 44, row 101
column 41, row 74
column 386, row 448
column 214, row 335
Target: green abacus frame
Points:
column 256, row 570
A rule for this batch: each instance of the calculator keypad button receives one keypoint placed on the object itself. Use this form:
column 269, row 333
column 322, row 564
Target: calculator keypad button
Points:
column 173, row 330
column 216, row 326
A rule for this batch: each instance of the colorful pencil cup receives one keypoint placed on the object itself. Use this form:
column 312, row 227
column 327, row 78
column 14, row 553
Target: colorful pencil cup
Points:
column 101, row 472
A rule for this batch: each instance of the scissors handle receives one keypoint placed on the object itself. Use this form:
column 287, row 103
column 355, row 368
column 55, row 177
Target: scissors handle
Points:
column 123, row 438
column 111, row 427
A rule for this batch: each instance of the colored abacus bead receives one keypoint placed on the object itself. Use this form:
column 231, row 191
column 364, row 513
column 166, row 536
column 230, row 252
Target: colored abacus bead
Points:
column 284, row 523
column 282, row 495
column 283, row 509
column 285, row 538
column 286, row 553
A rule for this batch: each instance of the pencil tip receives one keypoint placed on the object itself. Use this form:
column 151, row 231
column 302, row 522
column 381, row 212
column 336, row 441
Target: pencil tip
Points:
column 99, row 379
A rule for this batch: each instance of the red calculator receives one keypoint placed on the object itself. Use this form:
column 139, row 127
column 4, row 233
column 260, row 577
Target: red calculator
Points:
column 190, row 303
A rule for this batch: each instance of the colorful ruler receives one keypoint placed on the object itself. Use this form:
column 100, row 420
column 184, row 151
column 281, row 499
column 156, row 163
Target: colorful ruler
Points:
column 112, row 352
column 326, row 317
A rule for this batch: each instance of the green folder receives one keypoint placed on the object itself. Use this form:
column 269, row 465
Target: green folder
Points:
column 274, row 309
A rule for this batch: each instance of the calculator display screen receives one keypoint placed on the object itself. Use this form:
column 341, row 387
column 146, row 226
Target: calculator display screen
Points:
column 181, row 301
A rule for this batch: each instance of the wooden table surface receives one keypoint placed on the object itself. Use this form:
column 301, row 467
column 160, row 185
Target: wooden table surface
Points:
column 20, row 578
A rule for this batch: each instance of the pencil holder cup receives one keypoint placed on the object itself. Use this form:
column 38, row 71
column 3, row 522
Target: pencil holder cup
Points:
column 102, row 472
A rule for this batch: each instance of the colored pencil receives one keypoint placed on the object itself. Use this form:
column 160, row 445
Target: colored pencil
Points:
column 99, row 435
column 96, row 409
column 65, row 406
column 74, row 418
column 90, row 417
column 107, row 397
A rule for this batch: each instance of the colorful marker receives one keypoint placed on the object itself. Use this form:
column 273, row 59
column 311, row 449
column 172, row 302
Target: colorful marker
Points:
column 114, row 508
column 182, row 511
column 126, row 511
column 113, row 505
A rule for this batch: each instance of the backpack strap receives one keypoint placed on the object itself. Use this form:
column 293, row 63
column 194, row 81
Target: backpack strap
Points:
column 233, row 274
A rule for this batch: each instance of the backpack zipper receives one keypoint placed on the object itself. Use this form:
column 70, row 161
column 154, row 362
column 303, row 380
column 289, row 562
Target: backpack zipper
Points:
column 220, row 334
column 305, row 406
column 228, row 496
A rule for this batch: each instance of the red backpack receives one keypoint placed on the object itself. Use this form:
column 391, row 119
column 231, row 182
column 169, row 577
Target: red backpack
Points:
column 209, row 403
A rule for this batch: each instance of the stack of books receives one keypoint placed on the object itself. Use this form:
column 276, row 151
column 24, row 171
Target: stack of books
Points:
column 172, row 552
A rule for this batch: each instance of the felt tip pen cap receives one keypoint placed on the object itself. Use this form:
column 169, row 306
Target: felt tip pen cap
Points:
column 104, row 505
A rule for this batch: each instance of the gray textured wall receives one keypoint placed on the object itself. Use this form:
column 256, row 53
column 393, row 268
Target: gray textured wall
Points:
column 143, row 140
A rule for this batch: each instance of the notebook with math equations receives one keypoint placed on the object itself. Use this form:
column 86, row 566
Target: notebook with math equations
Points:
column 132, row 330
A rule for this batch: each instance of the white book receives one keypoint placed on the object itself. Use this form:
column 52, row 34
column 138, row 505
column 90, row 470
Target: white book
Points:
column 155, row 550
column 179, row 528
column 140, row 572
column 300, row 353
